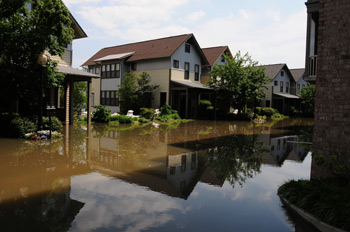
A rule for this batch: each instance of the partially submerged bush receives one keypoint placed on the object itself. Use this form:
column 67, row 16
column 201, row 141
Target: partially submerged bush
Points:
column 20, row 126
column 101, row 114
column 147, row 113
column 56, row 124
column 166, row 110
column 123, row 119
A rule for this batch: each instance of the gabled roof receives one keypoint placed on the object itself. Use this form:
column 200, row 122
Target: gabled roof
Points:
column 297, row 73
column 273, row 69
column 151, row 49
column 213, row 54
column 78, row 31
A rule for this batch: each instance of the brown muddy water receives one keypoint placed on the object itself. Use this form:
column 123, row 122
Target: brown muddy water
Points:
column 195, row 176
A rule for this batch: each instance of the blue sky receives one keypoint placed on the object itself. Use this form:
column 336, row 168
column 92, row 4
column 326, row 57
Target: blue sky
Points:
column 271, row 31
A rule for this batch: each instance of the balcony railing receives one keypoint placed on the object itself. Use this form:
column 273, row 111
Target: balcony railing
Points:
column 312, row 66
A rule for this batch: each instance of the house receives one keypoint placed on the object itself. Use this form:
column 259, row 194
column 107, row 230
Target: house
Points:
column 64, row 109
column 298, row 75
column 281, row 91
column 214, row 55
column 327, row 63
column 174, row 63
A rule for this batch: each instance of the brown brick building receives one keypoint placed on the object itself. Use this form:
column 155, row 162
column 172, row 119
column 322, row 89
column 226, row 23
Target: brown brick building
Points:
column 328, row 63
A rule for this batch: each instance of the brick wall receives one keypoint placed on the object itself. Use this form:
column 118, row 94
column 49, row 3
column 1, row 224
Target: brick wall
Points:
column 332, row 110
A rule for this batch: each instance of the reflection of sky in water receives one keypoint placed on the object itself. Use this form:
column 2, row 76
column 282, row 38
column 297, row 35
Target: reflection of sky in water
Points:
column 114, row 205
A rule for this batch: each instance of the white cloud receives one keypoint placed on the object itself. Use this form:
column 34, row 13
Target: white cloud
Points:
column 195, row 16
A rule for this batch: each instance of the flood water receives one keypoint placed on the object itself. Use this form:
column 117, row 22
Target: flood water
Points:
column 195, row 176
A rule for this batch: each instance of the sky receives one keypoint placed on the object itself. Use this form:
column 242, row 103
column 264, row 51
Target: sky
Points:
column 271, row 31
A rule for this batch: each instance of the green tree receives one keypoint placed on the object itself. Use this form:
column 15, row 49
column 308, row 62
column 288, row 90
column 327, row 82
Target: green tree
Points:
column 308, row 99
column 135, row 92
column 79, row 97
column 24, row 35
column 239, row 82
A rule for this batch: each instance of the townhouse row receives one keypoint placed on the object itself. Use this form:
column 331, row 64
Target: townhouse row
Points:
column 181, row 68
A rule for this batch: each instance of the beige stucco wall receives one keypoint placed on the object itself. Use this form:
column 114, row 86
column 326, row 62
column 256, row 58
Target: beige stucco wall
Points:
column 158, row 77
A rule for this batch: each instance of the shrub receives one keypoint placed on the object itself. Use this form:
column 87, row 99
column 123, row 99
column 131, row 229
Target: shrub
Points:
column 147, row 113
column 122, row 119
column 56, row 124
column 267, row 111
column 20, row 126
column 143, row 120
column 166, row 118
column 101, row 114
column 166, row 110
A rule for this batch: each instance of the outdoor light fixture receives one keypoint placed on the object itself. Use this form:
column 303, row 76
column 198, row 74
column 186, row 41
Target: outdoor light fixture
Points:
column 42, row 60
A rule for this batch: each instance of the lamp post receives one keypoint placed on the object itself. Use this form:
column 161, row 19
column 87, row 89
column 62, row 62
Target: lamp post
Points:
column 42, row 60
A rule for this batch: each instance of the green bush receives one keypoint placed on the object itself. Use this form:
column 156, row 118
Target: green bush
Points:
column 147, row 113
column 56, row 124
column 166, row 118
column 122, row 119
column 101, row 114
column 166, row 110
column 143, row 120
column 20, row 126
column 267, row 111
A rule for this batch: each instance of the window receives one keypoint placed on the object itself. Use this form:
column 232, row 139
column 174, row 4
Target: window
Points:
column 298, row 88
column 222, row 58
column 133, row 66
column 282, row 73
column 109, row 98
column 97, row 70
column 108, row 70
column 281, row 86
column 276, row 83
column 287, row 87
column 113, row 70
column 176, row 64
column 103, row 71
column 117, row 70
column 187, row 70
column 162, row 98
column 172, row 170
column 196, row 72
column 188, row 48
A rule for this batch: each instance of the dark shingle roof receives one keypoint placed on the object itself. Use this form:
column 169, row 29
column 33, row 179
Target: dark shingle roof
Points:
column 214, row 53
column 297, row 73
column 273, row 69
column 151, row 49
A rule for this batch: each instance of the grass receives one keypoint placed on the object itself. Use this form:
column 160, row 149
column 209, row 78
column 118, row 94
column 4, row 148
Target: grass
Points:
column 328, row 200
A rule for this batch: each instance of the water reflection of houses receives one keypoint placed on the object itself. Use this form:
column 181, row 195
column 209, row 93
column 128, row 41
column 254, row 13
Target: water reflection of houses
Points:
column 284, row 147
column 35, row 188
column 157, row 169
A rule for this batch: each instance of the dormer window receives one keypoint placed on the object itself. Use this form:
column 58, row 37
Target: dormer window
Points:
column 223, row 59
column 188, row 48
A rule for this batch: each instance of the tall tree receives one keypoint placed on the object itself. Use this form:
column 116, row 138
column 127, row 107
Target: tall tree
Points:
column 25, row 33
column 238, row 82
column 135, row 92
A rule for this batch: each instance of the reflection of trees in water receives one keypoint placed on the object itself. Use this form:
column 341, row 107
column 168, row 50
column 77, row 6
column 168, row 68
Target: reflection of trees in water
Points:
column 235, row 158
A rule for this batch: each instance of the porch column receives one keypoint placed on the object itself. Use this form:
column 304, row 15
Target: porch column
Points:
column 89, row 102
column 186, row 114
column 67, row 87
column 71, row 83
